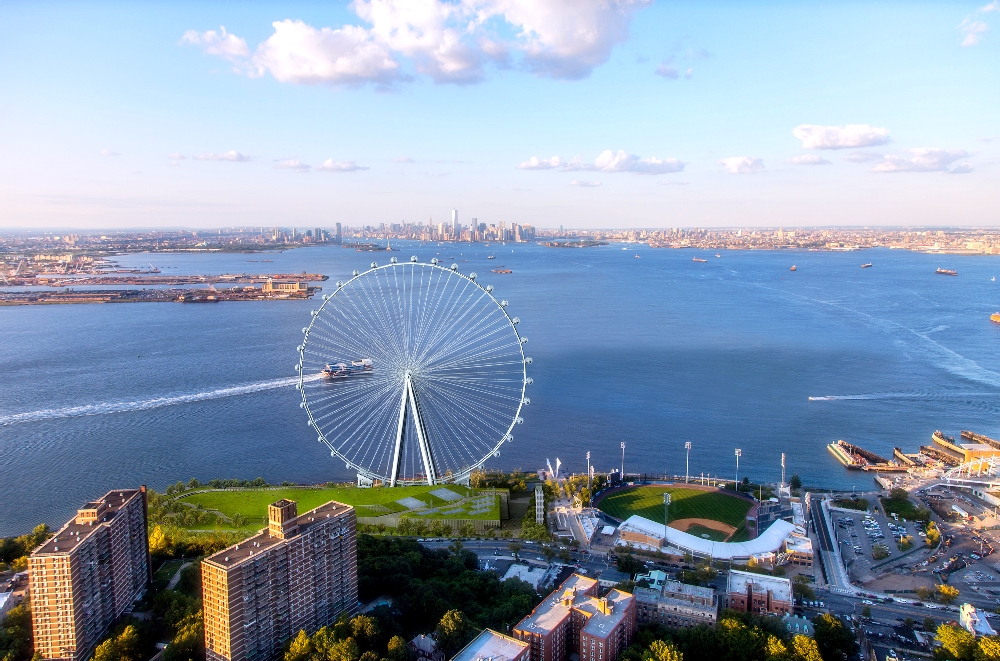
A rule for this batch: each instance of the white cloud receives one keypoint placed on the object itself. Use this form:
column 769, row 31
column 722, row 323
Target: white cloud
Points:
column 863, row 157
column 293, row 164
column 233, row 156
column 585, row 184
column 220, row 43
column 923, row 160
column 108, row 152
column 961, row 168
column 808, row 159
column 742, row 164
column 993, row 6
column 176, row 157
column 403, row 159
column 609, row 161
column 173, row 164
column 299, row 53
column 668, row 71
column 450, row 42
column 840, row 137
column 972, row 29
column 329, row 165
column 535, row 163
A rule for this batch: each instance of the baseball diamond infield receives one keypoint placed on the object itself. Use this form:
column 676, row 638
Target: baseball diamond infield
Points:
column 692, row 506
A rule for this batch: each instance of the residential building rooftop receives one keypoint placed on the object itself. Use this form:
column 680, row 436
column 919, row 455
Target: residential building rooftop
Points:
column 491, row 646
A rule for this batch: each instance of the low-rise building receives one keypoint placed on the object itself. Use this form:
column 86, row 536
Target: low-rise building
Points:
column 493, row 646
column 798, row 625
column 609, row 578
column 425, row 647
column 974, row 620
column 758, row 593
column 574, row 620
column 799, row 550
column 676, row 604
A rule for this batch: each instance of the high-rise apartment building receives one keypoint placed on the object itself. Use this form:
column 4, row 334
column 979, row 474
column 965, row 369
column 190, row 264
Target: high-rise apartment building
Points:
column 574, row 620
column 88, row 574
column 300, row 573
column 340, row 237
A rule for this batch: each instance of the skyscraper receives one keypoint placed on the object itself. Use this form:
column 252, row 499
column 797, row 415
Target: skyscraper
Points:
column 300, row 573
column 340, row 238
column 88, row 574
column 456, row 229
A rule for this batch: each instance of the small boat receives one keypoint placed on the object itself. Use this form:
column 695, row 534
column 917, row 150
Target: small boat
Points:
column 502, row 271
column 718, row 255
column 624, row 248
column 995, row 317
column 698, row 259
column 946, row 272
column 491, row 257
column 344, row 370
column 794, row 268
column 993, row 279
column 866, row 266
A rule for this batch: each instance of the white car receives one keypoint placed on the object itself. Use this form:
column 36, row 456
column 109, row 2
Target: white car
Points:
column 868, row 602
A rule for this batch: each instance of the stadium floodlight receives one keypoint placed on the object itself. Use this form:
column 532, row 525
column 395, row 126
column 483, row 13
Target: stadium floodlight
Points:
column 623, row 461
column 687, row 462
column 739, row 453
column 666, row 507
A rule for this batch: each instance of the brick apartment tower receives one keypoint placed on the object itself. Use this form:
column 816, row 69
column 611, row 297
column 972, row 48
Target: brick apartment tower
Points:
column 88, row 574
column 299, row 573
column 574, row 620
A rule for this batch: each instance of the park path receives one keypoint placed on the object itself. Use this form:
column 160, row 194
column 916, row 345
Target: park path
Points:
column 176, row 577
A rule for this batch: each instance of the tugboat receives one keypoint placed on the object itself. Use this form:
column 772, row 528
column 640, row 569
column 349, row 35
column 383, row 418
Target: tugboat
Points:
column 794, row 268
column 866, row 266
column 946, row 272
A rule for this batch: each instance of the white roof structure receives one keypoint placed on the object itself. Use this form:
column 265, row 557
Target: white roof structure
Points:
column 530, row 575
column 771, row 540
column 492, row 646
column 975, row 621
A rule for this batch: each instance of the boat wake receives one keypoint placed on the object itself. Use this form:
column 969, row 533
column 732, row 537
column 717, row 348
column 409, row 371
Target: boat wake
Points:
column 105, row 408
column 901, row 395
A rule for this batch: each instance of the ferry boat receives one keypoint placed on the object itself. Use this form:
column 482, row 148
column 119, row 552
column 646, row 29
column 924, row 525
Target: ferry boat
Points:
column 698, row 259
column 794, row 268
column 995, row 317
column 866, row 266
column 344, row 370
column 946, row 272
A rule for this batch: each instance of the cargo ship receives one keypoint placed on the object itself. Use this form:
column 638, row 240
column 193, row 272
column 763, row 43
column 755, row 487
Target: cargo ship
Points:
column 995, row 317
column 698, row 259
column 344, row 370
column 946, row 272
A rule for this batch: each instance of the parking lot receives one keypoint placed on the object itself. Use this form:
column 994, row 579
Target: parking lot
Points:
column 858, row 533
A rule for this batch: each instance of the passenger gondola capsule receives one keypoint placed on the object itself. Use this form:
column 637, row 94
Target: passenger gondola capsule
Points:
column 527, row 361
column 413, row 258
column 489, row 288
column 356, row 273
column 472, row 276
column 302, row 405
column 305, row 330
column 434, row 261
column 515, row 321
column 524, row 340
column 525, row 401
column 393, row 260
column 503, row 304
column 454, row 267
column 528, row 381
column 374, row 265
column 339, row 285
column 519, row 420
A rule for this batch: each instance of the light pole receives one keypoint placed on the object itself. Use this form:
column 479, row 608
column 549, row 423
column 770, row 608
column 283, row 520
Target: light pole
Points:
column 687, row 463
column 589, row 485
column 666, row 509
column 739, row 453
column 623, row 461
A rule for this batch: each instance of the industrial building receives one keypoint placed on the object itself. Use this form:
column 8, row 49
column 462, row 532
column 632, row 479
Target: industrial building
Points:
column 88, row 574
column 298, row 574
column 573, row 620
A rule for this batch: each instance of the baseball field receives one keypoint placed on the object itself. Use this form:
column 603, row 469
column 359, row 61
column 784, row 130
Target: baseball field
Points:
column 707, row 513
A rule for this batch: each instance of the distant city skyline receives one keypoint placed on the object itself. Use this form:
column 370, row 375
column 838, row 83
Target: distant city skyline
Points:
column 384, row 111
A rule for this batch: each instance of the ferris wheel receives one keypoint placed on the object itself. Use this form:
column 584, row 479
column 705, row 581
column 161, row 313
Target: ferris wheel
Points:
column 413, row 373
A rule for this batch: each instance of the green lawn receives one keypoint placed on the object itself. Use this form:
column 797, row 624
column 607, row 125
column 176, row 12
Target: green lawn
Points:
column 685, row 504
column 167, row 570
column 252, row 503
column 708, row 533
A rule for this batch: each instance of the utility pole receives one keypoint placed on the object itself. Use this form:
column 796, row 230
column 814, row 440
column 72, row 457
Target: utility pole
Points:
column 687, row 463
column 623, row 461
column 589, row 481
column 739, row 453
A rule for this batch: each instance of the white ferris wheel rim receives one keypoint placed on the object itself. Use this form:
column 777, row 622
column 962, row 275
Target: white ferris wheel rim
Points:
column 365, row 472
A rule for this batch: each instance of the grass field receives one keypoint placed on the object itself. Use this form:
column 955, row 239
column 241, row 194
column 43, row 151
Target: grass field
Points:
column 685, row 504
column 707, row 533
column 252, row 503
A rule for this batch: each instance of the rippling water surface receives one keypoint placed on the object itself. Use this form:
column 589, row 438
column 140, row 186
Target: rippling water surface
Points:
column 656, row 351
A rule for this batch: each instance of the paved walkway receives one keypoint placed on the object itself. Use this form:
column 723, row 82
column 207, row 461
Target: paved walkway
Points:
column 176, row 577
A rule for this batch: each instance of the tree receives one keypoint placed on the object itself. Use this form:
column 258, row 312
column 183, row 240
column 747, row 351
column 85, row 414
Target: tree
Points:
column 467, row 530
column 548, row 553
column 805, row 648
column 795, row 482
column 300, row 649
column 158, row 541
column 564, row 555
column 365, row 631
column 947, row 593
column 405, row 527
column 957, row 642
column 929, row 624
column 193, row 483
column 933, row 534
column 514, row 547
column 989, row 648
column 397, row 650
column 866, row 612
column 662, row 651
column 188, row 644
column 453, row 632
column 923, row 592
column 801, row 588
column 456, row 547
column 239, row 520
column 627, row 564
column 833, row 639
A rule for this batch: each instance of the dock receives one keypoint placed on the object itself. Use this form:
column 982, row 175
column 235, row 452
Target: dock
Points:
column 857, row 458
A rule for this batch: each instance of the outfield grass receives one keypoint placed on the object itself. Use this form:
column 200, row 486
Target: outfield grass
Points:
column 252, row 503
column 685, row 503
column 708, row 533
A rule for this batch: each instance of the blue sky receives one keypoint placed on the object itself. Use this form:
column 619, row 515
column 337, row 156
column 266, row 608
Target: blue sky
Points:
column 639, row 114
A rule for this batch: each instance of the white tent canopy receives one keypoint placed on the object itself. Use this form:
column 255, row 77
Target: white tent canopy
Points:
column 770, row 541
